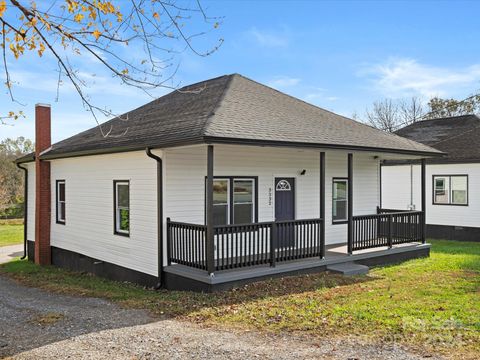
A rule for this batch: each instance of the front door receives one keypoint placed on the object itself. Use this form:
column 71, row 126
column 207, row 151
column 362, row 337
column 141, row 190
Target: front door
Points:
column 285, row 209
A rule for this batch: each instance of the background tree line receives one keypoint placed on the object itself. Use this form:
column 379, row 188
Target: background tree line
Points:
column 391, row 115
column 11, row 178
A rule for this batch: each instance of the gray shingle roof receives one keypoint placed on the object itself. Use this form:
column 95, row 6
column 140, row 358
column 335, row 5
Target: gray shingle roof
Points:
column 457, row 136
column 231, row 108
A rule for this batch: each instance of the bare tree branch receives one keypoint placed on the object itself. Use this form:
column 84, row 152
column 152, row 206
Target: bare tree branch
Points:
column 104, row 29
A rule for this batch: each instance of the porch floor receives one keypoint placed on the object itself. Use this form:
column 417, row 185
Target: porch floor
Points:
column 335, row 254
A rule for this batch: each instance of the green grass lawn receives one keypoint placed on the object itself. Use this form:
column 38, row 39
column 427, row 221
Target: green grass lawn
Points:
column 431, row 303
column 11, row 233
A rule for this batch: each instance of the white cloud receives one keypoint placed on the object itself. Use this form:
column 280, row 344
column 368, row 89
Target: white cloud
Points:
column 319, row 95
column 268, row 38
column 332, row 98
column 402, row 77
column 281, row 82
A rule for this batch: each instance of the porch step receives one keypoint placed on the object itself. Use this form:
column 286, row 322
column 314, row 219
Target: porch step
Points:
column 348, row 268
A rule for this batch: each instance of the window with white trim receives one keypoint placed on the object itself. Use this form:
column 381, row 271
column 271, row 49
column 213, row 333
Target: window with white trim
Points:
column 61, row 211
column 450, row 189
column 340, row 200
column 122, row 207
column 233, row 200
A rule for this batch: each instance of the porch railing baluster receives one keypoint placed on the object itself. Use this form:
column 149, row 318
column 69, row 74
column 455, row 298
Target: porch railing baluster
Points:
column 273, row 244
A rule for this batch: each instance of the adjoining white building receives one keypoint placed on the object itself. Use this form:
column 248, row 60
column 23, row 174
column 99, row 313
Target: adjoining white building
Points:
column 219, row 183
column 453, row 205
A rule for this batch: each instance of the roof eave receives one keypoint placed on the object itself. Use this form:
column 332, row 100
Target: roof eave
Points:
column 25, row 159
column 51, row 155
column 119, row 149
column 239, row 141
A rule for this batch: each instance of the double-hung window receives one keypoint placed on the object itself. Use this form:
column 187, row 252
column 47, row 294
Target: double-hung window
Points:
column 339, row 200
column 122, row 207
column 60, row 196
column 450, row 189
column 233, row 200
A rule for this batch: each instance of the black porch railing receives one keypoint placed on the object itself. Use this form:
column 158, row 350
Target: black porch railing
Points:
column 387, row 228
column 186, row 244
column 244, row 245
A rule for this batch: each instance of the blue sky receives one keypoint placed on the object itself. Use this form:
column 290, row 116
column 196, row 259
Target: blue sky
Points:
column 341, row 56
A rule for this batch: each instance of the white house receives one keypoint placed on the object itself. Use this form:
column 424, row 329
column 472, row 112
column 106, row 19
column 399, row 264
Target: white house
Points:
column 218, row 183
column 453, row 206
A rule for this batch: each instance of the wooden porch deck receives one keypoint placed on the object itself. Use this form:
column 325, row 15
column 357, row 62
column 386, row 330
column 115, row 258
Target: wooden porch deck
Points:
column 181, row 277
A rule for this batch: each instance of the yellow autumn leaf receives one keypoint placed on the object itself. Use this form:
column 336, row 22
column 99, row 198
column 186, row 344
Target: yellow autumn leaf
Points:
column 3, row 7
column 14, row 50
column 72, row 5
column 78, row 17
column 97, row 34
column 155, row 15
column 41, row 49
column 125, row 71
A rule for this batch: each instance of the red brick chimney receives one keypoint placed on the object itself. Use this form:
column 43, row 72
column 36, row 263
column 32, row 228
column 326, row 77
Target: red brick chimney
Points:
column 42, row 186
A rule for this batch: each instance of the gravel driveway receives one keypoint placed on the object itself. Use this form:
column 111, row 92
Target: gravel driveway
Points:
column 35, row 324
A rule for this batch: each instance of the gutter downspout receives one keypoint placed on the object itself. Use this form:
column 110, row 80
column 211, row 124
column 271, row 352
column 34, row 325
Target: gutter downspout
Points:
column 159, row 215
column 25, row 210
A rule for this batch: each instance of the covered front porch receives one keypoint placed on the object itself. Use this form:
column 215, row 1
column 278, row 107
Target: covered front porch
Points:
column 218, row 254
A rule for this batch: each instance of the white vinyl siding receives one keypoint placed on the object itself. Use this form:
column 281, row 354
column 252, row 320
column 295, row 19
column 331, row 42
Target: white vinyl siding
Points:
column 89, row 229
column 396, row 192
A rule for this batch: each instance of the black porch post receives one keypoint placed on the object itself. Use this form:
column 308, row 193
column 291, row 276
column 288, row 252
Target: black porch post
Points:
column 209, row 216
column 424, row 202
column 350, row 204
column 322, row 205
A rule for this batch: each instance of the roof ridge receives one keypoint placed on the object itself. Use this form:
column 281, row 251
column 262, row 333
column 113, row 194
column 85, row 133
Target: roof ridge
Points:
column 444, row 118
column 217, row 105
column 199, row 83
column 453, row 117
